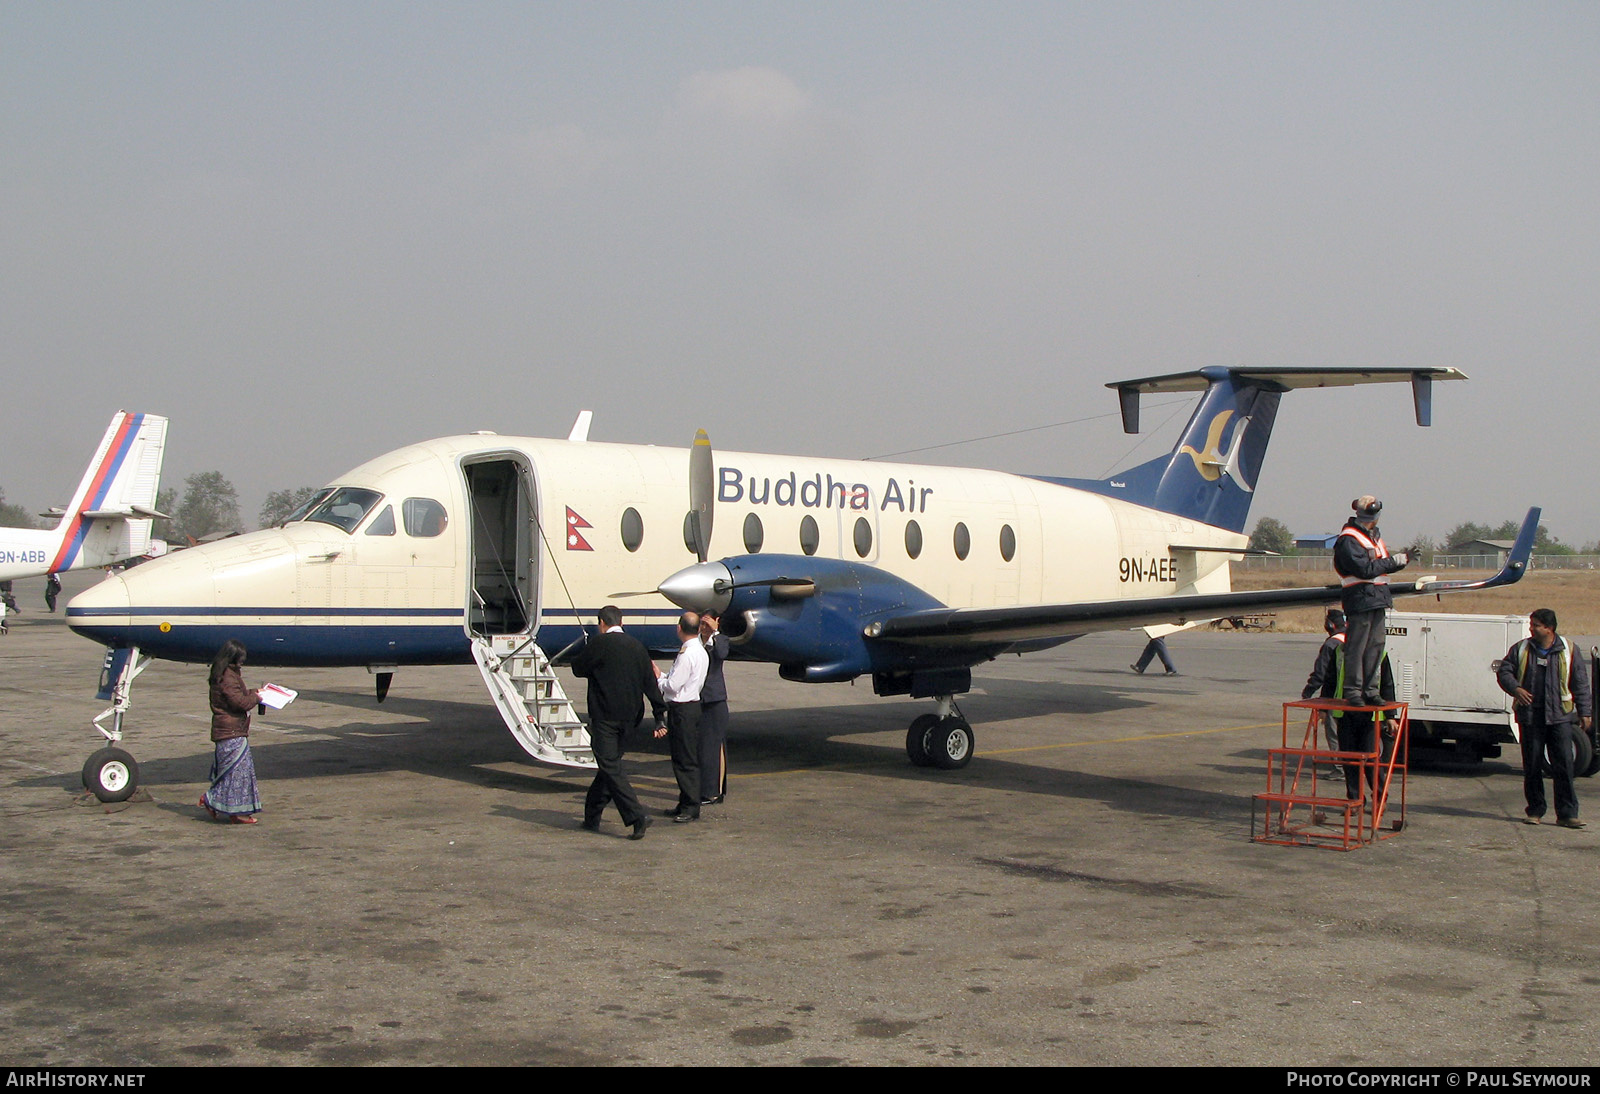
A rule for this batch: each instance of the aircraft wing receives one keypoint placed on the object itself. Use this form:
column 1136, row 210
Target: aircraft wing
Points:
column 988, row 626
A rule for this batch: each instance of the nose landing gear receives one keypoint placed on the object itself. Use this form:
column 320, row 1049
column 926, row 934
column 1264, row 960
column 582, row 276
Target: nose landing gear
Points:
column 111, row 774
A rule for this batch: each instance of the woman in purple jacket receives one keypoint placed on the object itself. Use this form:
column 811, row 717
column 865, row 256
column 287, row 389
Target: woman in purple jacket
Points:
column 232, row 796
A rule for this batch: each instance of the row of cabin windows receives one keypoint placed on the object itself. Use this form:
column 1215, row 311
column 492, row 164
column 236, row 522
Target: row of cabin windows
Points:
column 811, row 536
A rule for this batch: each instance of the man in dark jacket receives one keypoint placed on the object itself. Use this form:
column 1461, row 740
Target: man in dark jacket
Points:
column 1356, row 730
column 621, row 678
column 1364, row 564
column 1548, row 679
column 713, row 713
column 1323, row 670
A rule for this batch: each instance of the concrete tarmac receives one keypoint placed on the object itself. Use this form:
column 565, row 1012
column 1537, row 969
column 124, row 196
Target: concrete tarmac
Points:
column 1085, row 892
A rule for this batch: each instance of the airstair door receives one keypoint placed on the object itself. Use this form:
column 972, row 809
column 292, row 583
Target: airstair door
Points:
column 503, row 612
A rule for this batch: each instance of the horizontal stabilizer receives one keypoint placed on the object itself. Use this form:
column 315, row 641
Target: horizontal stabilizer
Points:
column 1290, row 378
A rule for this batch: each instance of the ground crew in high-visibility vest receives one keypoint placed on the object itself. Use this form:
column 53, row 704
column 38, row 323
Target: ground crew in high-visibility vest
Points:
column 1364, row 564
column 1323, row 668
column 1355, row 728
column 1549, row 682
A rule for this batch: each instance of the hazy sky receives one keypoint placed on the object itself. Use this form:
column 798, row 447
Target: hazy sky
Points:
column 309, row 233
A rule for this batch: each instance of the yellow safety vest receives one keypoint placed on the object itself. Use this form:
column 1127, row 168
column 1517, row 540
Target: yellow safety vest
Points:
column 1564, row 662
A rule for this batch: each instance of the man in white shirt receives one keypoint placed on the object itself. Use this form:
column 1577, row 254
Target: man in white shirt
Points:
column 680, row 687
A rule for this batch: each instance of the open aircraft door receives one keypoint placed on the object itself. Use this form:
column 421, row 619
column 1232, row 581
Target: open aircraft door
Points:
column 503, row 599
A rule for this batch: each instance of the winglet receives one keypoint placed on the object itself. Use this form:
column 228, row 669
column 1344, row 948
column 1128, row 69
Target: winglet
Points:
column 1516, row 562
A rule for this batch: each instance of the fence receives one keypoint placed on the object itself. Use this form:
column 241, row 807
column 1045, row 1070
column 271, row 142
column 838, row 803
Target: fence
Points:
column 1323, row 562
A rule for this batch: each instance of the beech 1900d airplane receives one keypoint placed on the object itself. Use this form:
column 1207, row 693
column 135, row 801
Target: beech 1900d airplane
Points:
column 109, row 518
column 494, row 550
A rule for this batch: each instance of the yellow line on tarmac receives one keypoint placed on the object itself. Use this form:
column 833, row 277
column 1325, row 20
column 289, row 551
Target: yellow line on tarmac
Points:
column 1029, row 748
column 1126, row 740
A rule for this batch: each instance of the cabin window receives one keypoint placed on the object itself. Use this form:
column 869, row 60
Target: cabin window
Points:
column 1008, row 543
column 863, row 537
column 963, row 542
column 809, row 536
column 913, row 538
column 424, row 517
column 752, row 533
column 383, row 523
column 345, row 507
column 632, row 529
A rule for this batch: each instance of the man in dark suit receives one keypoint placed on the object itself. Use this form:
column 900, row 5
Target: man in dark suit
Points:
column 620, row 677
column 713, row 713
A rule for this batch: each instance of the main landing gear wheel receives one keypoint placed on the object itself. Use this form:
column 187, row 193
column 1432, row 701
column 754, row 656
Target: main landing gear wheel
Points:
column 950, row 743
column 917, row 739
column 111, row 775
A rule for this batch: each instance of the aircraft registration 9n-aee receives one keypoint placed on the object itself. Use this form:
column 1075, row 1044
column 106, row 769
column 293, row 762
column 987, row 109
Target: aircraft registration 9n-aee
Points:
column 495, row 550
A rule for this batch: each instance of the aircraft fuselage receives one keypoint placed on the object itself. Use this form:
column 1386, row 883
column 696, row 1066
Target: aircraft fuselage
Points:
column 488, row 534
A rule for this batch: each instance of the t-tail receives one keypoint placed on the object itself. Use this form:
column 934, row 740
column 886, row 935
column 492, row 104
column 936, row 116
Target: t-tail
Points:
column 110, row 515
column 1210, row 475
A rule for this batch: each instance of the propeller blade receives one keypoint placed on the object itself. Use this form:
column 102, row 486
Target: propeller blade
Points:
column 702, row 494
column 636, row 592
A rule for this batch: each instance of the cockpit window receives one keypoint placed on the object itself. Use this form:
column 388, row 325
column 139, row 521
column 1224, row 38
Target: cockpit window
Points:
column 345, row 506
column 383, row 523
column 309, row 504
column 424, row 517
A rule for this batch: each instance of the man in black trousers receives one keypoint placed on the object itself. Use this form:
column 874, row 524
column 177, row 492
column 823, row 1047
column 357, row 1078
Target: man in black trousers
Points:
column 621, row 677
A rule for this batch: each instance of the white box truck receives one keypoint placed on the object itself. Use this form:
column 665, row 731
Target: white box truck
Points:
column 1444, row 667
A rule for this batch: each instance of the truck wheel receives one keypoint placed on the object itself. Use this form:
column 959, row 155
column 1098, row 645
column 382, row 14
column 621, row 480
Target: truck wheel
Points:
column 1582, row 753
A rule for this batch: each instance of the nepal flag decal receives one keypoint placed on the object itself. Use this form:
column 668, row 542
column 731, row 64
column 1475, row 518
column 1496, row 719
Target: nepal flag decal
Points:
column 575, row 540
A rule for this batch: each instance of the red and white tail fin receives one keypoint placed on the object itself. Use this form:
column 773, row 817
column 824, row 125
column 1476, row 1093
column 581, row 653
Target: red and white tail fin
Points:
column 111, row 511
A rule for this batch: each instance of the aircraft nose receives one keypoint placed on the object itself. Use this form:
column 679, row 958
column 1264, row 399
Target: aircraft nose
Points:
column 101, row 611
column 110, row 597
column 701, row 587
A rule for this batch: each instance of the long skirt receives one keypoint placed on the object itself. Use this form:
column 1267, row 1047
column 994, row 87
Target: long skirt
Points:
column 233, row 778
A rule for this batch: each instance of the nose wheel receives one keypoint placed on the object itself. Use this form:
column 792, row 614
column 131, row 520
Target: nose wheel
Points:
column 111, row 775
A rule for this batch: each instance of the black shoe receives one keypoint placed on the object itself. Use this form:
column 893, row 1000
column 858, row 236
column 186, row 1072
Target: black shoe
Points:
column 1174, row 672
column 673, row 812
column 685, row 818
column 1137, row 669
column 590, row 825
column 711, row 801
column 640, row 826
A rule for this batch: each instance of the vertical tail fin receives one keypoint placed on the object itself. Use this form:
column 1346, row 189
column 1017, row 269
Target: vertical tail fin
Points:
column 1210, row 474
column 110, row 515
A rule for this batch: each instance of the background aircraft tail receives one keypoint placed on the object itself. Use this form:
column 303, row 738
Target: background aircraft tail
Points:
column 111, row 511
column 1210, row 474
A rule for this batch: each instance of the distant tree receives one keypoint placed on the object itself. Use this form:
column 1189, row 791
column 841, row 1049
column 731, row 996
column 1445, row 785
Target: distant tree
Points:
column 1272, row 535
column 14, row 516
column 281, row 503
column 166, row 502
column 1468, row 531
column 210, row 504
